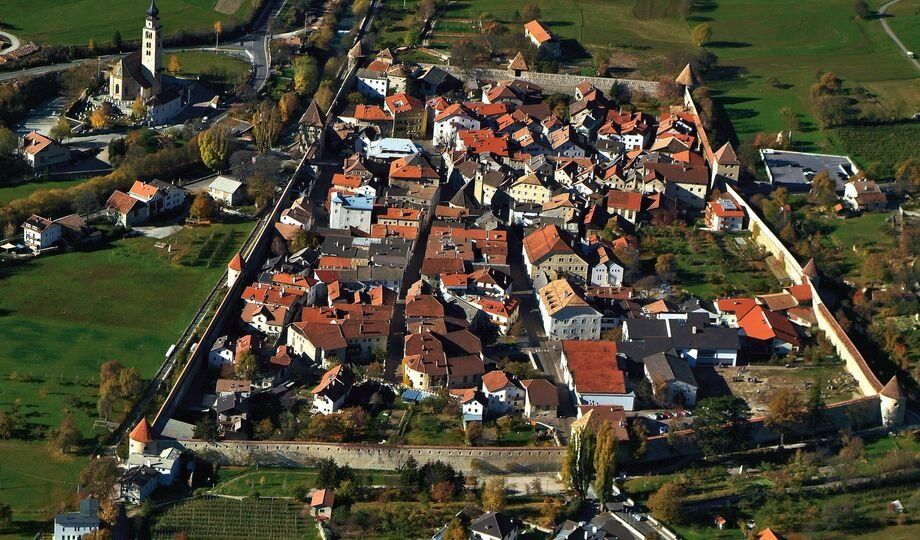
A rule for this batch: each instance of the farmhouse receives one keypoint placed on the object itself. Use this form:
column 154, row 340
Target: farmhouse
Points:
column 541, row 38
column 40, row 233
column 42, row 153
column 862, row 195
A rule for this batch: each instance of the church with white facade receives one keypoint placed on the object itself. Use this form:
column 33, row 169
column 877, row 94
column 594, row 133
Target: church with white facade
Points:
column 140, row 75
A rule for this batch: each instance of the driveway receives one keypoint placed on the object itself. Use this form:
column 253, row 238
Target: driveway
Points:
column 158, row 232
column 881, row 12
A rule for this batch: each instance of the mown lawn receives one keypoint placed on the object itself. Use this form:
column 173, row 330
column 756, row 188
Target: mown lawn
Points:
column 220, row 68
column 61, row 316
column 18, row 190
column 280, row 482
column 433, row 429
column 33, row 481
column 637, row 32
column 74, row 22
column 904, row 20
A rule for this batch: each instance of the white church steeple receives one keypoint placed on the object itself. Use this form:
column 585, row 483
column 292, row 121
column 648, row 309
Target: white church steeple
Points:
column 152, row 50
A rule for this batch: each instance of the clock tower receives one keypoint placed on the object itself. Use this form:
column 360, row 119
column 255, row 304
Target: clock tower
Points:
column 152, row 49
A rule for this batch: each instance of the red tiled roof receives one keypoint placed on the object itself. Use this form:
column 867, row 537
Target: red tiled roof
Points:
column 496, row 380
column 322, row 497
column 625, row 200
column 537, row 30
column 593, row 365
column 544, row 242
column 142, row 432
column 400, row 103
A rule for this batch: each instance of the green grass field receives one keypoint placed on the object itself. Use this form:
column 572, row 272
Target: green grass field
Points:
column 791, row 41
column 707, row 265
column 10, row 192
column 74, row 22
column 280, row 482
column 208, row 64
column 62, row 316
column 904, row 20
column 33, row 480
column 637, row 33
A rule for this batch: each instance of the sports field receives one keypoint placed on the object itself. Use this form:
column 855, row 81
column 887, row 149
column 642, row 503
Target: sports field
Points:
column 74, row 22
column 62, row 316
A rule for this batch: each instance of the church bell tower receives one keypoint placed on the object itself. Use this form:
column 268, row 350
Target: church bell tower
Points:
column 152, row 51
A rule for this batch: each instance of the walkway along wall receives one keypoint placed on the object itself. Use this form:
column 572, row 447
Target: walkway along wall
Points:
column 551, row 82
column 470, row 460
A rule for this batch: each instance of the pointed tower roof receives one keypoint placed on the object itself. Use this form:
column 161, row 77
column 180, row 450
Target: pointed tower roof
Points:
column 386, row 55
column 726, row 155
column 142, row 432
column 236, row 263
column 357, row 51
column 687, row 77
column 518, row 63
column 153, row 11
column 811, row 269
column 313, row 116
column 893, row 389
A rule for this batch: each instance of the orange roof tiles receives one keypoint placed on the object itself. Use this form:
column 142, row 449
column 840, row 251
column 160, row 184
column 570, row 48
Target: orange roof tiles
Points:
column 593, row 365
column 544, row 242
column 538, row 31
column 142, row 432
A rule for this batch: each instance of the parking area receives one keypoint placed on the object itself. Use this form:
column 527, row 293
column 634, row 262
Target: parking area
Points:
column 794, row 170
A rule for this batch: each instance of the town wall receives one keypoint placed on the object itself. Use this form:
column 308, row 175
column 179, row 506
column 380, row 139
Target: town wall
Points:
column 551, row 82
column 859, row 413
column 470, row 460
column 855, row 363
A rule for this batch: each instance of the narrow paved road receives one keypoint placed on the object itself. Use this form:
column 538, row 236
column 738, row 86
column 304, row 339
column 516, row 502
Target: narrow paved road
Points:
column 14, row 42
column 881, row 12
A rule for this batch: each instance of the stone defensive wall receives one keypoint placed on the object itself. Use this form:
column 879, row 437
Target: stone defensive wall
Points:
column 859, row 413
column 856, row 364
column 551, row 82
column 472, row 460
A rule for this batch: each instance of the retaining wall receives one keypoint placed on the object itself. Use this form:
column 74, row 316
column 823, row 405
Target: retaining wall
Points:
column 551, row 82
column 359, row 456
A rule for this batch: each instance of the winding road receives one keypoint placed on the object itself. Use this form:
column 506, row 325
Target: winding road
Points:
column 14, row 42
column 882, row 12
